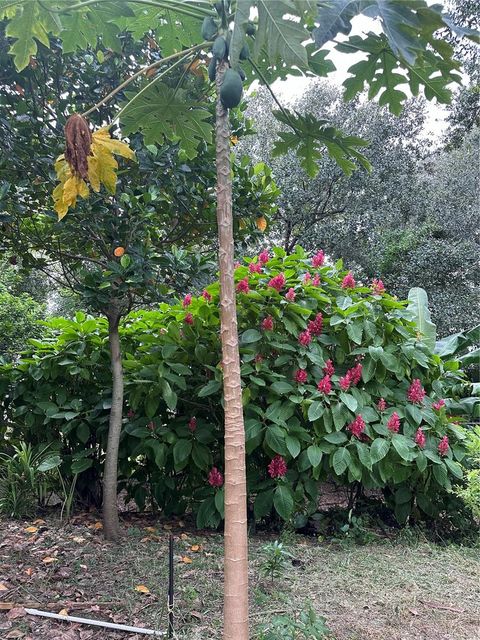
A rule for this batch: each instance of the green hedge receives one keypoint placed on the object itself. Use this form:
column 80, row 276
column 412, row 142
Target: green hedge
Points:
column 298, row 318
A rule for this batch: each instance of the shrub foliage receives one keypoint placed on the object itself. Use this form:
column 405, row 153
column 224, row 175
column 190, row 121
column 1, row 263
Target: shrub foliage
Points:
column 376, row 418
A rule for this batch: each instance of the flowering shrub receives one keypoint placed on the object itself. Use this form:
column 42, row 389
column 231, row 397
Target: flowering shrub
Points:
column 336, row 383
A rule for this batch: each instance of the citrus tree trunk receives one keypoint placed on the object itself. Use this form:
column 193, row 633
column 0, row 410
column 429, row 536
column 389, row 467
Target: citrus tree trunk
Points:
column 236, row 544
column 110, row 511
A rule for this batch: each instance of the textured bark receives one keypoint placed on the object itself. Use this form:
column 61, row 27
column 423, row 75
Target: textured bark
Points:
column 111, row 526
column 236, row 543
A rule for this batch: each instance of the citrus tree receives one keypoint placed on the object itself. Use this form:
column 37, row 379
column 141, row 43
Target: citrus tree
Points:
column 285, row 36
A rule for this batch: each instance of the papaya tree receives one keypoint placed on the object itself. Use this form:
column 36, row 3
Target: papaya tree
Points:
column 275, row 39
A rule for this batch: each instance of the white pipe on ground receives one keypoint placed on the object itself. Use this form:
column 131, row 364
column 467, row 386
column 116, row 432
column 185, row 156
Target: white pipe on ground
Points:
column 95, row 623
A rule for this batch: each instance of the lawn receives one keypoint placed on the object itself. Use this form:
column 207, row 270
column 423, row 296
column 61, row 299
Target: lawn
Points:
column 394, row 589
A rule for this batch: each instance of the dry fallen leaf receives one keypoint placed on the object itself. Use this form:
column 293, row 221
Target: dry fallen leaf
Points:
column 63, row 612
column 184, row 536
column 29, row 571
column 168, row 527
column 78, row 539
column 15, row 633
column 141, row 588
column 195, row 548
column 97, row 526
column 16, row 612
column 186, row 560
column 3, row 587
column 39, row 521
column 48, row 560
column 31, row 529
column 151, row 529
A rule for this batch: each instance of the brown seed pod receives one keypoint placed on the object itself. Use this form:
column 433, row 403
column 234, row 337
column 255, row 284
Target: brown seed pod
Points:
column 78, row 144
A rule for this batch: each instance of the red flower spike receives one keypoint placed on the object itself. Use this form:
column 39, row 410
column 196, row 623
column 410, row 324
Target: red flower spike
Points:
column 215, row 478
column 443, row 446
column 329, row 369
column 357, row 427
column 416, row 393
column 301, row 376
column 318, row 259
column 188, row 319
column 305, row 338
column 325, row 385
column 277, row 467
column 393, row 423
column 349, row 281
column 267, row 323
column 420, row 438
column 290, row 295
column 277, row 282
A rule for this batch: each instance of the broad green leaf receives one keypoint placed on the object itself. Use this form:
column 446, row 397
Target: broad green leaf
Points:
column 275, row 438
column 161, row 113
column 364, row 454
column 283, row 501
column 454, row 468
column 250, row 335
column 293, row 446
column 379, row 449
column 211, row 387
column 314, row 454
column 337, row 437
column 418, row 306
column 279, row 34
column 220, row 501
column 263, row 503
column 349, row 401
column 181, row 451
column 341, row 460
column 440, row 474
column 242, row 15
column 315, row 410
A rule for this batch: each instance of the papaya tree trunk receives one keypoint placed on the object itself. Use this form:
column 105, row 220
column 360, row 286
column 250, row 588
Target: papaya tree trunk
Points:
column 236, row 544
column 111, row 525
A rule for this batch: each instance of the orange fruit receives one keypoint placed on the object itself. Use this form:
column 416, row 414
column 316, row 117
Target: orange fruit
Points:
column 119, row 251
column 261, row 223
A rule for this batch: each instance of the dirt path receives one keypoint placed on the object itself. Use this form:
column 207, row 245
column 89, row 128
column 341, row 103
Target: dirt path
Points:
column 382, row 591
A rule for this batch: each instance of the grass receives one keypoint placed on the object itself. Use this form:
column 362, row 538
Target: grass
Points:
column 389, row 590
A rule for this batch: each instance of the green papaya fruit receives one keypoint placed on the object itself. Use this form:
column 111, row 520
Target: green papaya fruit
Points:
column 219, row 48
column 245, row 52
column 212, row 69
column 251, row 29
column 209, row 28
column 232, row 89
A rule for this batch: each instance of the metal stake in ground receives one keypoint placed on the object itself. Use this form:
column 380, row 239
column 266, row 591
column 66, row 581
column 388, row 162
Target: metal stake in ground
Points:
column 170, row 587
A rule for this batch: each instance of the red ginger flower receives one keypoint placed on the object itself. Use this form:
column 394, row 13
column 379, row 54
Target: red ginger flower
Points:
column 318, row 259
column 188, row 319
column 301, row 376
column 242, row 286
column 416, row 393
column 237, row 265
column 187, row 300
column 355, row 373
column 290, row 295
column 438, row 404
column 357, row 427
column 267, row 323
column 306, row 278
column 381, row 405
column 151, row 426
column 215, row 478
column 329, row 369
column 258, row 358
column 192, row 424
column 277, row 467
column 325, row 385
column 264, row 257
column 255, row 267
column 393, row 423
column 345, row 382
column 377, row 287
column 420, row 438
column 207, row 295
column 316, row 280
column 305, row 338
column 315, row 326
column 443, row 446
column 130, row 414
column 349, row 281
column 277, row 282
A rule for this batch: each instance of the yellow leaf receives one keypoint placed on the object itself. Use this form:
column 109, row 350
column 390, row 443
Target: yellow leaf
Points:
column 195, row 548
column 187, row 560
column 93, row 173
column 242, row 224
column 48, row 560
column 31, row 529
column 141, row 588
column 3, row 587
column 102, row 137
column 29, row 571
column 63, row 612
column 39, row 521
column 261, row 223
column 78, row 539
column 151, row 529
column 234, row 140
column 97, row 526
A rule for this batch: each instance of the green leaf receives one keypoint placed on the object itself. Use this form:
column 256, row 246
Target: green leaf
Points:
column 341, row 460
column 211, row 387
column 418, row 306
column 50, row 463
column 293, row 446
column 421, row 461
column 454, row 468
column 283, row 501
column 364, row 455
column 354, row 331
column 151, row 404
column 169, row 395
column 275, row 438
column 311, row 137
column 220, row 501
column 78, row 466
column 161, row 113
column 281, row 387
column 337, row 437
column 83, row 432
column 242, row 16
column 30, row 23
column 201, row 455
column 400, row 445
column 315, row 410
column 440, row 474
column 349, row 401
column 278, row 35
column 314, row 454
column 250, row 335
column 181, row 451
column 207, row 515
column 379, row 449
column 403, row 495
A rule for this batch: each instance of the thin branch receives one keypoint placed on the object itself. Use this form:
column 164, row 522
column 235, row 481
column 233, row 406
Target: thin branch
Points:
column 142, row 71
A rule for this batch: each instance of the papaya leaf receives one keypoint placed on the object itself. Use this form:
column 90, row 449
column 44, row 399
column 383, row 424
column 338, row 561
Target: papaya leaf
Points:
column 161, row 113
column 310, row 137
